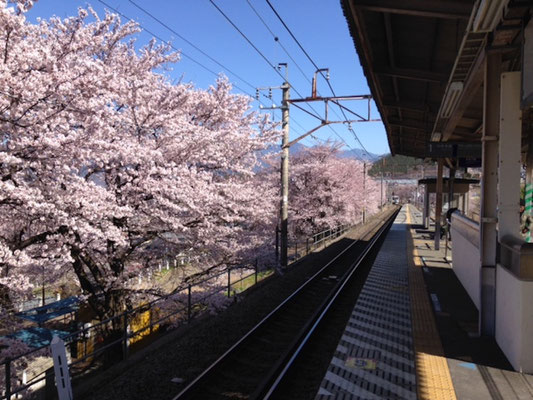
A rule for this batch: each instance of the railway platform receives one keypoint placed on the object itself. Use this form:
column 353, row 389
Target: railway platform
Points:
column 413, row 331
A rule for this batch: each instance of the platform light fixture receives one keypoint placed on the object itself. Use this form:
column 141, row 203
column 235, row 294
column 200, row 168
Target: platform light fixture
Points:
column 451, row 99
column 436, row 136
column 488, row 15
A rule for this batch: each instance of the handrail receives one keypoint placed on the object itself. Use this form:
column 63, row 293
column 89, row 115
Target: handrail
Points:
column 516, row 255
column 149, row 306
column 262, row 322
column 184, row 308
column 466, row 227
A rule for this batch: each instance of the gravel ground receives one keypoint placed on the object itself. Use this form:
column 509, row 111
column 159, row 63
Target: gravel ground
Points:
column 186, row 352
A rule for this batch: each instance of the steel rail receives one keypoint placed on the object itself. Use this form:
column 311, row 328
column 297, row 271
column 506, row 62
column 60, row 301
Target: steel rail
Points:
column 259, row 325
column 279, row 373
column 194, row 383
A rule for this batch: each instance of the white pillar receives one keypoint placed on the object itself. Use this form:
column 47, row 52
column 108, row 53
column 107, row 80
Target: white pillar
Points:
column 438, row 201
column 426, row 207
column 489, row 192
column 509, row 152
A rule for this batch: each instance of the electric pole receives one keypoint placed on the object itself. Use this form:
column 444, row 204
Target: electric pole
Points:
column 382, row 165
column 286, row 143
column 284, row 207
column 364, row 192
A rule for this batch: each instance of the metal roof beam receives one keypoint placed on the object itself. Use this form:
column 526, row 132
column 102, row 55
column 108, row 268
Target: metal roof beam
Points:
column 412, row 74
column 411, row 124
column 472, row 85
column 411, row 105
column 421, row 8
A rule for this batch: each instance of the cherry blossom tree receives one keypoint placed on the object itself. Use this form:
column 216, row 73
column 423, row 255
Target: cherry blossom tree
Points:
column 326, row 191
column 103, row 161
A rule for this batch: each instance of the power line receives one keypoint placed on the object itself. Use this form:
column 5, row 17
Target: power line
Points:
column 278, row 41
column 292, row 35
column 172, row 46
column 316, row 66
column 211, row 58
column 191, row 44
column 255, row 48
column 204, row 53
column 273, row 67
column 276, row 38
column 246, row 38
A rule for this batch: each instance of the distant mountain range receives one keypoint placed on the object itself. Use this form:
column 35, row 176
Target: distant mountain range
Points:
column 358, row 154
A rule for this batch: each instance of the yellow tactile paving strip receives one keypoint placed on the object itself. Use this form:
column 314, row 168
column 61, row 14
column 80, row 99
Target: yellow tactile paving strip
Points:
column 434, row 381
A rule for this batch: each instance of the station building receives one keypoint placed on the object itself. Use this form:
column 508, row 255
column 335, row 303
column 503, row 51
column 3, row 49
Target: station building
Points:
column 453, row 81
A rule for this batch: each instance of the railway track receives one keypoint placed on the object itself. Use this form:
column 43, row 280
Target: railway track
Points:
column 255, row 366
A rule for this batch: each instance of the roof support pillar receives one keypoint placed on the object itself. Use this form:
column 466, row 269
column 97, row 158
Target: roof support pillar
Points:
column 438, row 205
column 426, row 207
column 489, row 192
column 510, row 154
column 451, row 201
column 528, row 195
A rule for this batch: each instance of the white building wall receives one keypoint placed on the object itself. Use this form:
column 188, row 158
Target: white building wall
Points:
column 514, row 319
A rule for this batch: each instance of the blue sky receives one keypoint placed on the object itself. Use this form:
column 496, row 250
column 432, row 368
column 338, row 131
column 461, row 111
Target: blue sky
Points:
column 319, row 25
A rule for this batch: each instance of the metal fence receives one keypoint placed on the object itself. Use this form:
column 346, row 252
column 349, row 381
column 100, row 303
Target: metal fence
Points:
column 113, row 339
column 300, row 248
column 99, row 345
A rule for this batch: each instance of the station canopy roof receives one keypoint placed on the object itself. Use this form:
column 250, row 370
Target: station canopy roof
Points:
column 414, row 52
column 460, row 185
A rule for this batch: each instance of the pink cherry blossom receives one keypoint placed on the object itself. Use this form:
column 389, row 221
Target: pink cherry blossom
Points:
column 105, row 164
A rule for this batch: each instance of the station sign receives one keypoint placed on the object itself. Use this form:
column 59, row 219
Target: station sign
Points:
column 466, row 150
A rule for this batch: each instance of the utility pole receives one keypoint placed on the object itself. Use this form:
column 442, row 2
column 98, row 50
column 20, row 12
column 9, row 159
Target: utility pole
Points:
column 286, row 143
column 284, row 207
column 364, row 192
column 382, row 166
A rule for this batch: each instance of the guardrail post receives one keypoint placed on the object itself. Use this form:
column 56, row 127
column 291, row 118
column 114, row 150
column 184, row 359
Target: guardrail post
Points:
column 256, row 270
column 189, row 305
column 229, row 282
column 125, row 336
column 307, row 246
column 151, row 319
column 295, row 251
column 277, row 244
column 8, row 377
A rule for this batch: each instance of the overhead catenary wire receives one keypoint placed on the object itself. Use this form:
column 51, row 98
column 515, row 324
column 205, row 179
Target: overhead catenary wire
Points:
column 159, row 21
column 276, row 38
column 169, row 28
column 265, row 58
column 187, row 56
column 317, row 68
column 278, row 41
column 272, row 65
column 173, row 47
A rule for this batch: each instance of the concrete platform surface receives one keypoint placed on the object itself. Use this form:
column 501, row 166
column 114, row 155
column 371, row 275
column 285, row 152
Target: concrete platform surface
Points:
column 413, row 331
